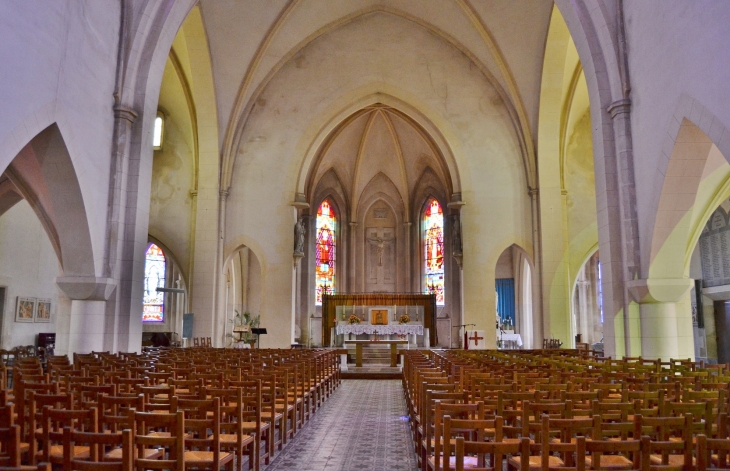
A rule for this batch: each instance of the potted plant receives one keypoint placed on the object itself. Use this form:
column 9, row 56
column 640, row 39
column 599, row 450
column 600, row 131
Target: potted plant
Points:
column 242, row 325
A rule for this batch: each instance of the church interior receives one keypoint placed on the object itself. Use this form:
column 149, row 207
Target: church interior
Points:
column 319, row 190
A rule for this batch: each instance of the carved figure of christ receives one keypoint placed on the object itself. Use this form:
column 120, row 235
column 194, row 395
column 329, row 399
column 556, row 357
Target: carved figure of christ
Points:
column 379, row 244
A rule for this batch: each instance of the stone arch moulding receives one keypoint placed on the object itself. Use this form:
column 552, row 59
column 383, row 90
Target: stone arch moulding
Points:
column 436, row 131
column 330, row 186
column 246, row 97
column 380, row 187
column 429, row 185
column 693, row 130
column 584, row 259
column 168, row 254
column 44, row 173
column 237, row 243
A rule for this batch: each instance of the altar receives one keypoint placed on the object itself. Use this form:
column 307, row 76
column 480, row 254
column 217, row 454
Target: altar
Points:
column 378, row 314
column 388, row 329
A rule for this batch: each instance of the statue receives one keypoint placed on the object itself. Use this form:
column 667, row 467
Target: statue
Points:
column 300, row 230
column 456, row 235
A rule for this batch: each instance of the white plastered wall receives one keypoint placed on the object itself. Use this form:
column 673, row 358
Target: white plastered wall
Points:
column 28, row 268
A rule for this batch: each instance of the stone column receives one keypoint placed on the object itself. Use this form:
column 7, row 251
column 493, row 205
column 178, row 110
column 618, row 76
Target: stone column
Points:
column 665, row 331
column 87, row 326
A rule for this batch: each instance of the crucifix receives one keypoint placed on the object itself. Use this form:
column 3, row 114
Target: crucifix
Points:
column 379, row 244
column 476, row 338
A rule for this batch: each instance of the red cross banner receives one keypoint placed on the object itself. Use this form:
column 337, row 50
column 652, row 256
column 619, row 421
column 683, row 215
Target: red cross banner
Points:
column 475, row 340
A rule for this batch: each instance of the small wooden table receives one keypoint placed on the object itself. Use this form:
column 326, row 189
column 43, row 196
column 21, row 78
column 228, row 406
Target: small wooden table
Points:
column 393, row 349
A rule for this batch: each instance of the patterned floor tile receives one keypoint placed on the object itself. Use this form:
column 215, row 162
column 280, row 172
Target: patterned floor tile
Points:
column 362, row 426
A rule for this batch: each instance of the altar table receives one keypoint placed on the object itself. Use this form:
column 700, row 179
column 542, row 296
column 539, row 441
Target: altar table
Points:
column 388, row 329
column 393, row 349
column 515, row 339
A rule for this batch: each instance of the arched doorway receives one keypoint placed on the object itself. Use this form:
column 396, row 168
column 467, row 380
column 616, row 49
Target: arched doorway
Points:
column 514, row 296
column 242, row 288
column 587, row 303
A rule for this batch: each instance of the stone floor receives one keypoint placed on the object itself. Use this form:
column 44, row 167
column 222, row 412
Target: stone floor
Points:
column 362, row 426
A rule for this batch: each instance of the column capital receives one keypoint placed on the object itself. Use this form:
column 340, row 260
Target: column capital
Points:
column 300, row 201
column 87, row 288
column 619, row 107
column 659, row 290
column 125, row 112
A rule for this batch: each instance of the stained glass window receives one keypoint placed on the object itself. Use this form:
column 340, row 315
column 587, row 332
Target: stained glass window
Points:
column 154, row 277
column 433, row 246
column 325, row 255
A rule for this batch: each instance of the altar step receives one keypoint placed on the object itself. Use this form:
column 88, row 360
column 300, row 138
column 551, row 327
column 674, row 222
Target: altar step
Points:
column 373, row 372
column 372, row 355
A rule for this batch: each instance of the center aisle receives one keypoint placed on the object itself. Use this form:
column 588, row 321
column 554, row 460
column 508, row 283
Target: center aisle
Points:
column 362, row 426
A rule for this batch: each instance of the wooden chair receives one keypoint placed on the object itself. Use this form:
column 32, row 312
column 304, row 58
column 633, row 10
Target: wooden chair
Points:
column 39, row 467
column 712, row 453
column 51, row 437
column 432, row 449
column 107, row 451
column 598, row 450
column 241, row 431
column 154, row 430
column 36, row 404
column 116, row 413
column 496, row 450
column 471, row 430
column 670, row 440
column 10, row 440
column 202, row 449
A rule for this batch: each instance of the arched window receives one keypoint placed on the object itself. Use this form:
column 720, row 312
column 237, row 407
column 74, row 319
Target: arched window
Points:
column 158, row 131
column 433, row 246
column 154, row 277
column 326, row 251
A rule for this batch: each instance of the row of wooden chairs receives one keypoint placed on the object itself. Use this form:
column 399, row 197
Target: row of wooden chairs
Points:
column 202, row 342
column 675, row 401
column 205, row 407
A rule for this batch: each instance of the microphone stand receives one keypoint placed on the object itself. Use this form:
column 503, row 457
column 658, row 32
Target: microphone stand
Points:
column 466, row 342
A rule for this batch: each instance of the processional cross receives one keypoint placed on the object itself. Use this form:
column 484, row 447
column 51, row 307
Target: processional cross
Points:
column 476, row 339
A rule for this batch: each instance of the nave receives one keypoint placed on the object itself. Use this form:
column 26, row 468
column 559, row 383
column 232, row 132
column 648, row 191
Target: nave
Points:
column 362, row 426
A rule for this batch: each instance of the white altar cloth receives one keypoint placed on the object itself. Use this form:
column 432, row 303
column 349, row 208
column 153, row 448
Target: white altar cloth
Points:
column 389, row 329
column 516, row 338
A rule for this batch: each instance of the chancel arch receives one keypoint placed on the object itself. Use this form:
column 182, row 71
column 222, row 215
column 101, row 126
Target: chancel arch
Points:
column 380, row 173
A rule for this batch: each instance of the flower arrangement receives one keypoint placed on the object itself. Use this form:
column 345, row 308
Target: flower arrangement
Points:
column 404, row 319
column 247, row 320
column 353, row 320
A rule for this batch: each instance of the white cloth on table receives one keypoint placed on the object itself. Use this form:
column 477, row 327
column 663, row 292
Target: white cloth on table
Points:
column 389, row 329
column 517, row 338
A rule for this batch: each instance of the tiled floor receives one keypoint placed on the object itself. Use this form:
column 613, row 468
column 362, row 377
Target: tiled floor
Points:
column 362, row 426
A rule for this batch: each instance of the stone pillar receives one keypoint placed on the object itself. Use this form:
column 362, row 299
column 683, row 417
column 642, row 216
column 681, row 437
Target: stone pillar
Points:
column 87, row 327
column 665, row 331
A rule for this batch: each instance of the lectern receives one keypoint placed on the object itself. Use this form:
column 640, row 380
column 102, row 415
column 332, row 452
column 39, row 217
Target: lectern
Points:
column 258, row 333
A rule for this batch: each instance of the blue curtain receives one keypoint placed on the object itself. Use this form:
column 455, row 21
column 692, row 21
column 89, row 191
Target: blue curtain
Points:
column 506, row 300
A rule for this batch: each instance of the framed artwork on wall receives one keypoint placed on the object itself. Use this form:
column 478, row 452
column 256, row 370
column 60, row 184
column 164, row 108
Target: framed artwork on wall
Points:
column 25, row 309
column 43, row 310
